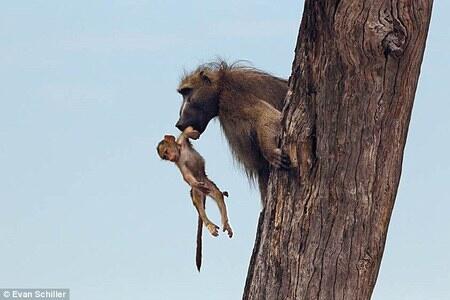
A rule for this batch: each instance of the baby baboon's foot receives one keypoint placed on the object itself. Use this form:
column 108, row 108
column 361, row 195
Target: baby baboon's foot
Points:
column 213, row 229
column 227, row 228
column 280, row 159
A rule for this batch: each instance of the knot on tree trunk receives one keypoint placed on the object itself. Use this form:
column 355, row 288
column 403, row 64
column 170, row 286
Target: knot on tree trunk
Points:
column 394, row 43
column 365, row 263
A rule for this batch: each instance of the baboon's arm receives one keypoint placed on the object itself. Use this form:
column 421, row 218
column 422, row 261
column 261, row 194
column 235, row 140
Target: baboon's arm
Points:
column 188, row 133
column 270, row 151
column 182, row 138
column 267, row 132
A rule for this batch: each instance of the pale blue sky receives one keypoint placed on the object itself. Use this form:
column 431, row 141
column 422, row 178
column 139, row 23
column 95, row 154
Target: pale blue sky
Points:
column 88, row 88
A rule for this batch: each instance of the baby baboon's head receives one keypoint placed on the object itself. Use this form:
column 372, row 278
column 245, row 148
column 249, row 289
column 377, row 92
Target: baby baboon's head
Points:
column 200, row 91
column 168, row 149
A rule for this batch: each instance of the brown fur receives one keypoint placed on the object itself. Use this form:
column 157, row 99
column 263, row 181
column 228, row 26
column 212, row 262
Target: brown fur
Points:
column 247, row 102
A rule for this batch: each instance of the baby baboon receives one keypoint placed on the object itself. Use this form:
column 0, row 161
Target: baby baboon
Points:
column 192, row 167
column 248, row 103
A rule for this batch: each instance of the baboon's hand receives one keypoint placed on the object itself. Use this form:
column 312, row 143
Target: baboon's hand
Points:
column 227, row 228
column 213, row 229
column 191, row 133
column 202, row 187
column 279, row 159
column 194, row 135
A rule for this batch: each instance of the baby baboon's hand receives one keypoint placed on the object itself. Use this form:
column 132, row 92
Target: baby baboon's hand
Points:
column 191, row 133
column 279, row 159
column 202, row 187
column 227, row 228
column 213, row 229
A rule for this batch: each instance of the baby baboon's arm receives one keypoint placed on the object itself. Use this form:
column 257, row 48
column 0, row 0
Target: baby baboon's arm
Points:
column 188, row 133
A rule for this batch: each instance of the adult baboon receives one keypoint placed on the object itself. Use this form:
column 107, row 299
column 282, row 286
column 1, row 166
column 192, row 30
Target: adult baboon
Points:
column 247, row 102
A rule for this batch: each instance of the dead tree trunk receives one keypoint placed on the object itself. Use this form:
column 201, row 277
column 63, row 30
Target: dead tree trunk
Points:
column 322, row 233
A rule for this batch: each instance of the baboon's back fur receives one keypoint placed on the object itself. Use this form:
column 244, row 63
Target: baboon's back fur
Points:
column 243, row 80
column 240, row 90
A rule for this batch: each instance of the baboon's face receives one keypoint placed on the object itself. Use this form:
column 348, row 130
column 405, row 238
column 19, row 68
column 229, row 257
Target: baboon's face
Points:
column 168, row 149
column 200, row 102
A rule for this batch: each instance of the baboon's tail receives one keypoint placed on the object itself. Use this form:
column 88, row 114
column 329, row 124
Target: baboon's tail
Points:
column 198, row 252
column 225, row 193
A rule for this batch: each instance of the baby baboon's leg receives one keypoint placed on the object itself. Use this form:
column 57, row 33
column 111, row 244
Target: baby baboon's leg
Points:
column 217, row 195
column 198, row 199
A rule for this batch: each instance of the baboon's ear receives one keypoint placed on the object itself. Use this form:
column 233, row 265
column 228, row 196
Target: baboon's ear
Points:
column 205, row 77
column 169, row 138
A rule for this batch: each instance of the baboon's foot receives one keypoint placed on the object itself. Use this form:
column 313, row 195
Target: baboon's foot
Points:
column 213, row 229
column 227, row 228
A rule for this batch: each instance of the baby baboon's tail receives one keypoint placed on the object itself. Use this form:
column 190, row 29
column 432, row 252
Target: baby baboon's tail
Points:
column 198, row 251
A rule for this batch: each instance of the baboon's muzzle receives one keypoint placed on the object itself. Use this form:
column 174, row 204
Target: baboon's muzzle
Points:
column 199, row 126
column 181, row 126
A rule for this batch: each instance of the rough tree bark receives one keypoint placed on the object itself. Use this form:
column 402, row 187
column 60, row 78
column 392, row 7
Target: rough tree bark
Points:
column 323, row 230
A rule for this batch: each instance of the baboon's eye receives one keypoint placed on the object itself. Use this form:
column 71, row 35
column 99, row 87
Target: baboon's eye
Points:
column 164, row 154
column 184, row 91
